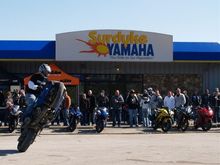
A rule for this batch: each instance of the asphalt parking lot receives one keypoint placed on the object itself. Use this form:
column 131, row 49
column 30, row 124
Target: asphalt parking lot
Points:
column 114, row 146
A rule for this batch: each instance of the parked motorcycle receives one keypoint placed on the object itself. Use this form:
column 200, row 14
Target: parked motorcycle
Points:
column 14, row 117
column 43, row 112
column 101, row 116
column 161, row 118
column 74, row 118
column 184, row 114
column 203, row 118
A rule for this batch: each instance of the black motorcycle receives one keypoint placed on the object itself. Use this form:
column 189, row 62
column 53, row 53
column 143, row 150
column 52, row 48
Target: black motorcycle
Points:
column 44, row 110
column 101, row 116
column 14, row 118
column 74, row 118
column 184, row 114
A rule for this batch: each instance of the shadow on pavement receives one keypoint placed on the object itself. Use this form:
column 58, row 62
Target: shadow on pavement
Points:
column 59, row 130
column 4, row 130
column 174, row 130
column 8, row 152
column 87, row 132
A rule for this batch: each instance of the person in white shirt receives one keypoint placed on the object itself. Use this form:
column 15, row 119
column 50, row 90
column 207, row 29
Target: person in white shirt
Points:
column 169, row 101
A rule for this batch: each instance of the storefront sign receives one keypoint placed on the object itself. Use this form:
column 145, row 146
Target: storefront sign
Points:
column 114, row 45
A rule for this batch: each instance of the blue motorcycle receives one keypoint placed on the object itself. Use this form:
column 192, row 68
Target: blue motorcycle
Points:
column 44, row 110
column 101, row 116
column 74, row 118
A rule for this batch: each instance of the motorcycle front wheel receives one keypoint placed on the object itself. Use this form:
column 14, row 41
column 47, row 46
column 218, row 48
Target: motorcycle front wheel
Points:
column 72, row 125
column 99, row 126
column 27, row 139
column 184, row 124
column 166, row 124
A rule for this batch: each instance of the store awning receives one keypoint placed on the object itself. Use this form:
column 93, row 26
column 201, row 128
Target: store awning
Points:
column 58, row 75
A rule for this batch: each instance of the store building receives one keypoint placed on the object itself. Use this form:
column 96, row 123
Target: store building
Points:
column 116, row 59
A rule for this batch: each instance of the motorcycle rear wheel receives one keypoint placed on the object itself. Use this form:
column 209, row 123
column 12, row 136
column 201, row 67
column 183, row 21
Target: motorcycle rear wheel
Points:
column 207, row 126
column 25, row 142
column 166, row 124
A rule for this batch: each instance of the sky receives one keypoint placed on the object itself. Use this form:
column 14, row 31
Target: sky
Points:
column 186, row 20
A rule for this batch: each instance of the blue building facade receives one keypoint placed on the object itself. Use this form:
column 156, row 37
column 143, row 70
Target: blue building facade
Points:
column 198, row 60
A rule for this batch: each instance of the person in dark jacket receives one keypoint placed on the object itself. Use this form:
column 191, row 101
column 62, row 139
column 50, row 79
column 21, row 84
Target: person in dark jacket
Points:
column 34, row 88
column 206, row 98
column 133, row 105
column 84, row 108
column 92, row 106
column 117, row 101
column 2, row 99
column 196, row 99
column 103, row 100
column 187, row 98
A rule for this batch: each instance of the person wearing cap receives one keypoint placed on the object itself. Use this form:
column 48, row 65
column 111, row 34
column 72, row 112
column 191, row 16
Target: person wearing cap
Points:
column 133, row 105
column 145, row 106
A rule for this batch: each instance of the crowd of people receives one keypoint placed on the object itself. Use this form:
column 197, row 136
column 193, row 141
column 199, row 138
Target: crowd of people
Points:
column 135, row 108
column 132, row 109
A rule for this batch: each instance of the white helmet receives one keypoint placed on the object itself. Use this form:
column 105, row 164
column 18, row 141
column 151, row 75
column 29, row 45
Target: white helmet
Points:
column 45, row 69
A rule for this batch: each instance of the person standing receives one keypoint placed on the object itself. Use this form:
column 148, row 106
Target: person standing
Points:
column 92, row 106
column 146, row 111
column 103, row 100
column 117, row 100
column 2, row 99
column 133, row 105
column 158, row 100
column 206, row 98
column 196, row 99
column 84, row 106
column 180, row 99
column 187, row 98
column 169, row 101
column 65, row 109
column 216, row 105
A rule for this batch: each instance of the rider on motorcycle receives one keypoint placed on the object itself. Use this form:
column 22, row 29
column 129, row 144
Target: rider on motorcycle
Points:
column 34, row 88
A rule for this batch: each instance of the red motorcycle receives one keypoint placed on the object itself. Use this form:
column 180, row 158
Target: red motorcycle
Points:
column 204, row 118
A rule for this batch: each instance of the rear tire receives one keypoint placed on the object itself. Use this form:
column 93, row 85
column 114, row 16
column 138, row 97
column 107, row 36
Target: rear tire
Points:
column 207, row 126
column 166, row 124
column 27, row 140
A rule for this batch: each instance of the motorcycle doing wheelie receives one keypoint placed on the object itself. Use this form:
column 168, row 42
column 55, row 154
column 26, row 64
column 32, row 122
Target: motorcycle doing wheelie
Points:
column 14, row 118
column 161, row 117
column 101, row 116
column 44, row 110
column 74, row 118
column 203, row 118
